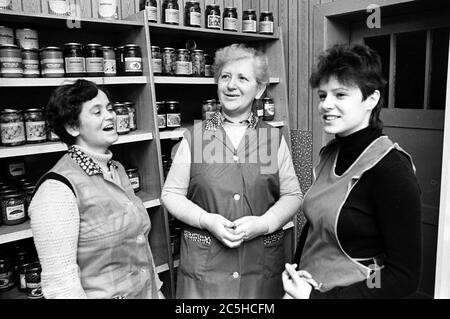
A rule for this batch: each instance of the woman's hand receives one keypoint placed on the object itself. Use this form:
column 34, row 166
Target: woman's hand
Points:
column 293, row 283
column 222, row 229
column 251, row 227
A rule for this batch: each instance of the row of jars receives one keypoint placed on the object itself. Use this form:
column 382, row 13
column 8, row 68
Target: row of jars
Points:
column 170, row 14
column 181, row 62
column 126, row 117
column 15, row 199
column 75, row 60
column 169, row 114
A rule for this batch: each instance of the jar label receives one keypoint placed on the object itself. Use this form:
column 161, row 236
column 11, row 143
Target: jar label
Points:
column 36, row 131
column 15, row 212
column 259, row 112
column 249, row 26
column 13, row 132
column 123, row 123
column 52, row 66
column 266, row 26
column 27, row 39
column 6, row 4
column 6, row 280
column 230, row 24
column 173, row 119
column 107, row 9
column 213, row 21
column 75, row 65
column 34, row 290
column 208, row 70
column 183, row 68
column 133, row 65
column 195, row 18
column 269, row 108
column 11, row 65
column 152, row 13
column 157, row 65
column 172, row 16
column 135, row 182
column 94, row 65
column 30, row 67
column 109, row 67
column 162, row 121
column 59, row 7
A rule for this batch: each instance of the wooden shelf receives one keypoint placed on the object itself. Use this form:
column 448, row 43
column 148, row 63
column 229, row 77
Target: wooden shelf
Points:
column 195, row 80
column 41, row 82
column 165, row 267
column 53, row 147
column 16, row 232
column 147, row 200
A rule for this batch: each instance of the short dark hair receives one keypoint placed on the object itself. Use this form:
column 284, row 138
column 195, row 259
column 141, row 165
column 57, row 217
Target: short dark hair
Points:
column 65, row 104
column 353, row 65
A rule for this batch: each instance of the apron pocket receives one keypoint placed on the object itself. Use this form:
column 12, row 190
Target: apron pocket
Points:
column 274, row 257
column 194, row 254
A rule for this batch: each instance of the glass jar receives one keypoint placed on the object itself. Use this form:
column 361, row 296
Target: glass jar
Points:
column 132, row 59
column 35, row 126
column 27, row 38
column 208, row 109
column 269, row 109
column 156, row 60
column 59, row 7
column 30, row 61
column 11, row 61
column 33, row 281
column 21, row 270
column 170, row 12
column 6, row 274
column 151, row 6
column 122, row 118
column 162, row 115
column 132, row 114
column 6, row 35
column 168, row 61
column 94, row 60
column 6, row 5
column 198, row 63
column 133, row 175
column 249, row 21
column 109, row 61
column 192, row 14
column 12, row 127
column 74, row 59
column 183, row 64
column 119, row 60
column 108, row 9
column 173, row 114
column 28, row 191
column 13, row 208
column 266, row 22
column 212, row 17
column 230, row 19
column 209, row 65
column 52, row 62
column 259, row 108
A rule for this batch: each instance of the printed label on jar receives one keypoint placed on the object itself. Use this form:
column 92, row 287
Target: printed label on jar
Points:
column 52, row 66
column 94, row 65
column 36, row 131
column 162, row 121
column 174, row 120
column 266, row 26
column 269, row 108
column 15, row 212
column 59, row 7
column 109, row 67
column 152, row 13
column 6, row 280
column 10, row 65
column 172, row 16
column 123, row 123
column 30, row 67
column 183, row 68
column 75, row 65
column 27, row 39
column 259, row 112
column 34, row 290
column 249, row 26
column 107, row 9
column 133, row 65
column 135, row 182
column 230, row 24
column 12, row 132
column 208, row 70
column 195, row 18
column 157, row 65
column 213, row 22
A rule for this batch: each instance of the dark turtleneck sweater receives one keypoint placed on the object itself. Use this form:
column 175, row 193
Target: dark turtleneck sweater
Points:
column 382, row 215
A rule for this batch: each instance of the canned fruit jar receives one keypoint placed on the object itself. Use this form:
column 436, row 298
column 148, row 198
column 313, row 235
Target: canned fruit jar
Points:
column 212, row 17
column 13, row 208
column 108, row 9
column 11, row 61
column 170, row 12
column 6, row 274
column 12, row 127
column 132, row 60
column 192, row 14
column 94, row 60
column 230, row 18
column 33, row 281
column 109, row 61
column 266, row 22
column 183, row 64
column 27, row 38
column 30, row 61
column 249, row 21
column 133, row 175
column 6, row 35
column 122, row 118
column 156, row 60
column 75, row 63
column 35, row 127
column 52, row 62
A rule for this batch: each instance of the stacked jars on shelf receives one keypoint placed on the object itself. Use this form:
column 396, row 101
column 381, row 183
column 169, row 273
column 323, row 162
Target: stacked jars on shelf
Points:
column 15, row 197
column 169, row 115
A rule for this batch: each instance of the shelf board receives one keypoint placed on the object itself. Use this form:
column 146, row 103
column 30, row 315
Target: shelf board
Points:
column 165, row 267
column 14, row 233
column 53, row 147
column 147, row 200
column 40, row 82
column 195, row 80
column 183, row 31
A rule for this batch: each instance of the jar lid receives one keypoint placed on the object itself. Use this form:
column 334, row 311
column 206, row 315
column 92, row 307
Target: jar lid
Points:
column 128, row 103
column 30, row 50
column 12, row 46
column 118, row 104
column 7, row 111
column 173, row 102
column 34, row 266
column 25, row 29
column 250, row 10
column 51, row 48
column 94, row 45
column 168, row 48
column 161, row 102
column 131, row 46
column 181, row 50
column 131, row 169
column 155, row 47
column 106, row 47
column 72, row 44
column 14, row 194
column 33, row 110
column 197, row 50
column 209, row 101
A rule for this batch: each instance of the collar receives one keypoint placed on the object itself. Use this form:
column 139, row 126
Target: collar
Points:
column 86, row 163
column 217, row 120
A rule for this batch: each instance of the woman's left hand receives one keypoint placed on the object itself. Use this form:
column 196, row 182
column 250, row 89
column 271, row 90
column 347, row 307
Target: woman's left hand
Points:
column 251, row 226
column 295, row 286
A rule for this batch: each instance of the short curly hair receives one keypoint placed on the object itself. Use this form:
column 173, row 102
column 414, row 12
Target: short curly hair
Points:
column 65, row 105
column 353, row 65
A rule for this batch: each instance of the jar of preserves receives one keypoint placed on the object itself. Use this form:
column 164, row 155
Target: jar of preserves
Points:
column 212, row 17
column 6, row 35
column 122, row 118
column 109, row 61
column 168, row 61
column 27, row 38
column 173, row 114
column 208, row 109
column 30, row 61
column 119, row 60
column 6, row 274
column 13, row 208
column 266, row 22
column 198, row 63
column 94, row 59
column 162, row 115
column 59, row 7
column 192, row 14
column 33, row 281
column 183, row 64
column 21, row 270
column 28, row 191
column 170, row 12
column 151, row 6
column 35, row 126
column 269, row 109
column 132, row 59
column 249, row 21
column 11, row 61
column 156, row 60
column 6, row 5
column 230, row 19
column 108, row 9
column 133, row 175
column 12, row 127
column 132, row 114
column 209, row 65
column 74, row 60
column 52, row 62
